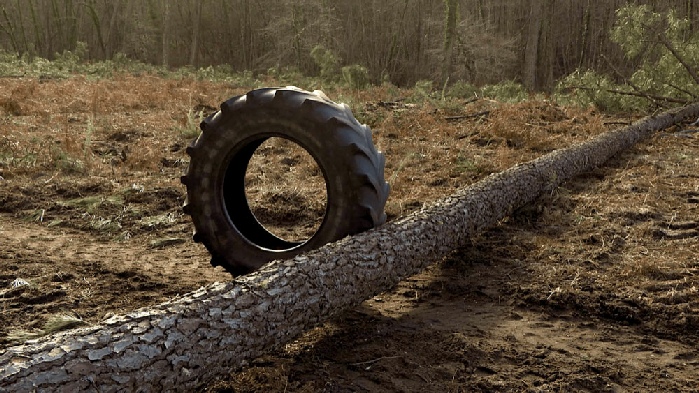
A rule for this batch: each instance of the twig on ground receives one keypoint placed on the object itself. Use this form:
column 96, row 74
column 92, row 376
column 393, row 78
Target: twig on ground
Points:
column 372, row 361
column 470, row 116
column 617, row 123
column 647, row 95
column 471, row 100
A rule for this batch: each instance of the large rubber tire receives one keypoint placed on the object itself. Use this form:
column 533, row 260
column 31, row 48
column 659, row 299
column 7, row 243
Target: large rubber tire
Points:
column 342, row 147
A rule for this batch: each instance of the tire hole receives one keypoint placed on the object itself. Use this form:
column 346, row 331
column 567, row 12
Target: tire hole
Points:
column 286, row 190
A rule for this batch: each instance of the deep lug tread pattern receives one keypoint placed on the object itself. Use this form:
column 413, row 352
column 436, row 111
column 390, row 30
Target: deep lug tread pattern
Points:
column 342, row 147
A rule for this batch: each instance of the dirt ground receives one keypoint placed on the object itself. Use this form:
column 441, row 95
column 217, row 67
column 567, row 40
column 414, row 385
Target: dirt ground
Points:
column 592, row 288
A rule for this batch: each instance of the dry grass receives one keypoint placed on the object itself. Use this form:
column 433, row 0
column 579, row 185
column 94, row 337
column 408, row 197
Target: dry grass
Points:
column 127, row 127
column 286, row 189
column 53, row 324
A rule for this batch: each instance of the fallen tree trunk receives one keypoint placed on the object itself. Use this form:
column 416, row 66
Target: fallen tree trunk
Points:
column 183, row 343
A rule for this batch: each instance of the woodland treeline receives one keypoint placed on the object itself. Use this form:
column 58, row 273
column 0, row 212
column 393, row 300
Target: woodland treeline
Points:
column 535, row 42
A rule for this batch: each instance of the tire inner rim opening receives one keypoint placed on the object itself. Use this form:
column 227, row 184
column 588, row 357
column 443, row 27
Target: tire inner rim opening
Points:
column 284, row 195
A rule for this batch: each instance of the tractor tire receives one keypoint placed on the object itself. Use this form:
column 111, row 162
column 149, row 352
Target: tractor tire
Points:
column 342, row 147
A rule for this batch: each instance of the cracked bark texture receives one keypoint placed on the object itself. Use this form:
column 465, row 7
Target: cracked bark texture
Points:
column 186, row 342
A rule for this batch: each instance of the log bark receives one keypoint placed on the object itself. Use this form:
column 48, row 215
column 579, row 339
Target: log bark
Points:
column 181, row 344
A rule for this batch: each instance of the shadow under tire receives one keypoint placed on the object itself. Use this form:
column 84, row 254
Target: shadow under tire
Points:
column 342, row 147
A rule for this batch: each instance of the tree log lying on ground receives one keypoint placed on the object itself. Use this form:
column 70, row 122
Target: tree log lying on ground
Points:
column 181, row 344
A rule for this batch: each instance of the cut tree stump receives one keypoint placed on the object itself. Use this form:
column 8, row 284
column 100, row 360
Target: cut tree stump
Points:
column 184, row 343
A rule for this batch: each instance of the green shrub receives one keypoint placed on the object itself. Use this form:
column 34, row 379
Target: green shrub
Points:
column 355, row 76
column 667, row 49
column 462, row 89
column 423, row 90
column 507, row 91
column 588, row 88
column 661, row 72
column 191, row 129
column 71, row 60
column 328, row 63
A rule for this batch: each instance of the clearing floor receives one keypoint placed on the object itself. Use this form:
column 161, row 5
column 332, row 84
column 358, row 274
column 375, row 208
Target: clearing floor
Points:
column 593, row 287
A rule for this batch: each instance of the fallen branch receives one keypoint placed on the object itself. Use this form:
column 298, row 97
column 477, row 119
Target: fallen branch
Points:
column 470, row 116
column 617, row 123
column 646, row 95
column 471, row 100
column 650, row 97
column 629, row 82
column 654, row 97
column 184, row 343
column 394, row 105
column 683, row 90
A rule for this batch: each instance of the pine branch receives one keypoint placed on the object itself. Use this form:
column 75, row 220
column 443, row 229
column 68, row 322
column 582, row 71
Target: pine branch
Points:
column 692, row 72
column 627, row 80
column 683, row 90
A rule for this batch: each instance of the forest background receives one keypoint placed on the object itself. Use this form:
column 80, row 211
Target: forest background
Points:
column 535, row 42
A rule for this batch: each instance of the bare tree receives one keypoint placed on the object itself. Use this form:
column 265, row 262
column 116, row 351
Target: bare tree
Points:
column 451, row 19
column 196, row 23
column 166, row 32
column 119, row 7
column 8, row 27
column 94, row 15
column 531, row 51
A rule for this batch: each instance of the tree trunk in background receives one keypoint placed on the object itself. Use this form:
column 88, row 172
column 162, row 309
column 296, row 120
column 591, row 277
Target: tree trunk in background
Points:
column 690, row 14
column 298, row 25
column 38, row 36
column 196, row 27
column 48, row 33
column 546, row 59
column 71, row 20
column 61, row 36
column 451, row 18
column 22, row 29
column 586, row 34
column 246, row 37
column 166, row 32
column 182, row 344
column 8, row 28
column 531, row 51
column 419, row 47
column 94, row 15
column 112, row 32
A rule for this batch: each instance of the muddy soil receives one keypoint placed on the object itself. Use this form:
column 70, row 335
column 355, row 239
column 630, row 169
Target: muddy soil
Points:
column 593, row 287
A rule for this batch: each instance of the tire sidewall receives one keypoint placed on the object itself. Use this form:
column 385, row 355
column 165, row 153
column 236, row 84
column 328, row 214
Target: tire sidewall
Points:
column 251, row 126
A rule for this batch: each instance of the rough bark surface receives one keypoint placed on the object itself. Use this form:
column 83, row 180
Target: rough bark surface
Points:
column 181, row 344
